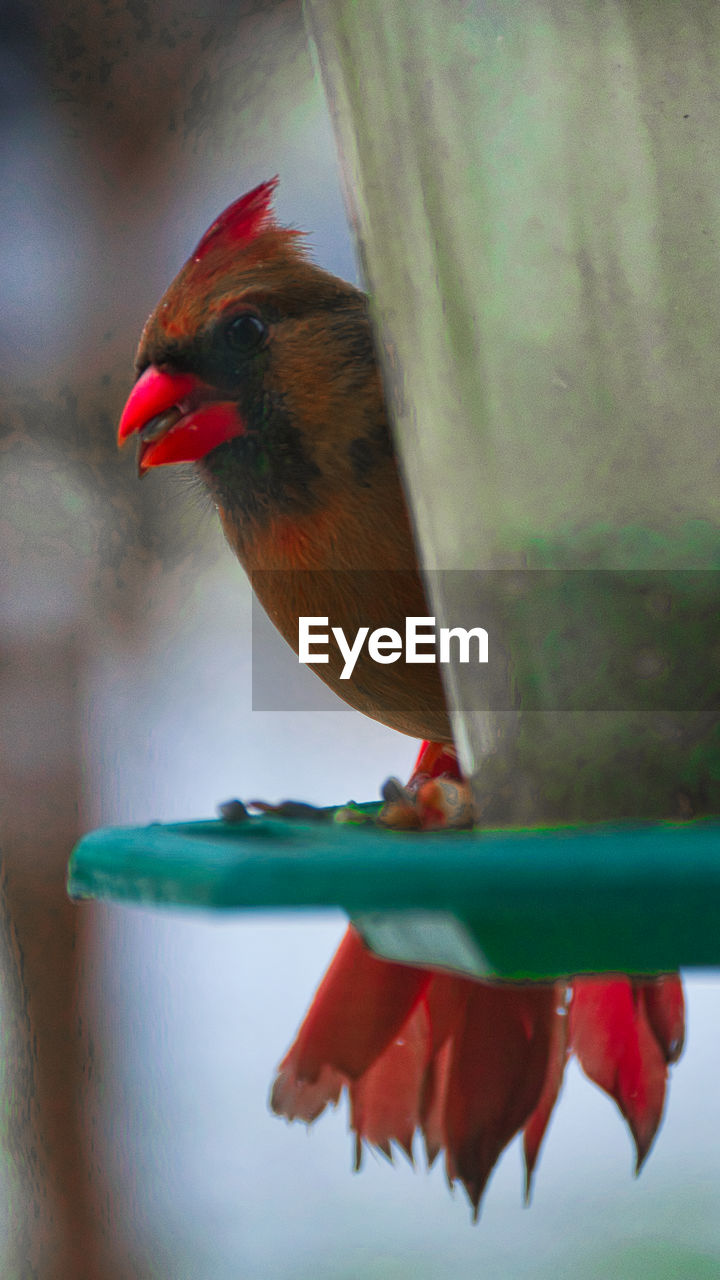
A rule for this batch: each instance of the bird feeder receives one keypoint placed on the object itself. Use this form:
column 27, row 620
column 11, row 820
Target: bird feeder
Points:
column 534, row 189
column 532, row 903
column 535, row 192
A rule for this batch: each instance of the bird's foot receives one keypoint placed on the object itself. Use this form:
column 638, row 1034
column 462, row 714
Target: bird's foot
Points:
column 435, row 804
column 435, row 797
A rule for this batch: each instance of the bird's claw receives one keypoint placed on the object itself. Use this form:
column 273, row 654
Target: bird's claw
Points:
column 427, row 804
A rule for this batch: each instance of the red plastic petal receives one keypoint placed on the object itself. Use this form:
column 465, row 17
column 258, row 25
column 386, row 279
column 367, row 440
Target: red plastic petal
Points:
column 665, row 1008
column 616, row 1047
column 496, row 1077
column 558, row 1054
column 302, row 1099
column 385, row 1101
column 360, row 1006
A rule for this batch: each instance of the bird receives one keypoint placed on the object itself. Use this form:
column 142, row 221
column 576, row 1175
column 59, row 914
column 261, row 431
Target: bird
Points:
column 260, row 369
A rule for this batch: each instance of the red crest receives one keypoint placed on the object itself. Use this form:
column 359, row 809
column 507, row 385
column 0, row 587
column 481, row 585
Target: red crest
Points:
column 242, row 221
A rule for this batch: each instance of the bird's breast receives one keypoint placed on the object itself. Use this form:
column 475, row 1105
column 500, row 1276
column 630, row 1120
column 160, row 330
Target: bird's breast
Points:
column 317, row 566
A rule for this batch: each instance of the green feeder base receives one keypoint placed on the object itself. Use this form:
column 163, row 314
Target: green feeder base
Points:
column 514, row 903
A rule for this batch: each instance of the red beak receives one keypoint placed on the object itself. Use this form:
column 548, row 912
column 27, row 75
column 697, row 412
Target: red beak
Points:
column 176, row 419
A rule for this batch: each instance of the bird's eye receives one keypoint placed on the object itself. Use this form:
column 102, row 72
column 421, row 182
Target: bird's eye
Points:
column 244, row 333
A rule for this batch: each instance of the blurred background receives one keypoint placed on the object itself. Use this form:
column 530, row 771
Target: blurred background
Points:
column 137, row 1047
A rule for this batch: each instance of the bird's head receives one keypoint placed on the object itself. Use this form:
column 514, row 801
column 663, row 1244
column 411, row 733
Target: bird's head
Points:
column 259, row 367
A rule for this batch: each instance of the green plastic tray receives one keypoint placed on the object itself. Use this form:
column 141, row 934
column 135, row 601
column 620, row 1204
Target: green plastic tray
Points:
column 517, row 903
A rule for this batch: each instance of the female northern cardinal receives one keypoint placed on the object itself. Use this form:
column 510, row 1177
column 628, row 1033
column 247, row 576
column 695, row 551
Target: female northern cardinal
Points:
column 260, row 368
